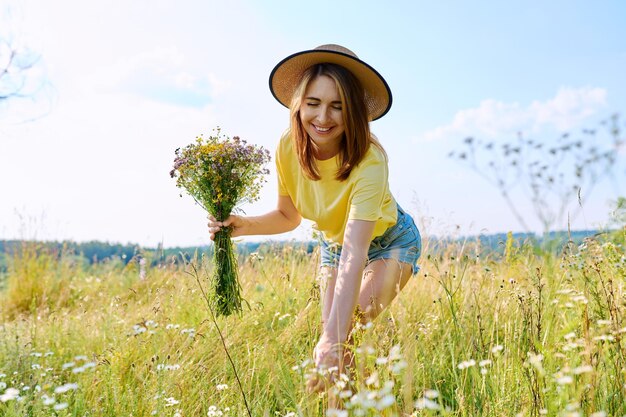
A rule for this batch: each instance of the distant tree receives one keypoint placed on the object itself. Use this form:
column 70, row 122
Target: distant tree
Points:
column 549, row 174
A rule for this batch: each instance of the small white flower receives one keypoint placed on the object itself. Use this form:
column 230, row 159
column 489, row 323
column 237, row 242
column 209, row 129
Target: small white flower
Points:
column 36, row 354
column 60, row 406
column 81, row 358
column 598, row 414
column 497, row 349
column 65, row 388
column 466, row 364
column 68, row 365
column 565, row 380
column 171, row 401
column 372, row 379
column 381, row 361
column 570, row 335
column 9, row 394
column 604, row 337
column 48, row 400
column 221, row 387
column 138, row 329
column 385, row 402
column 582, row 369
column 428, row 404
column 331, row 412
column 485, row 362
column 431, row 394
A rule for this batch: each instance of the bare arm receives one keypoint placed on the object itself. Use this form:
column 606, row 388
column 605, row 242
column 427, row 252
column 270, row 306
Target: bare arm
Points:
column 283, row 219
column 356, row 242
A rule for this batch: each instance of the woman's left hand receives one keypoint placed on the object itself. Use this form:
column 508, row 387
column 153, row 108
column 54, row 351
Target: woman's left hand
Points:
column 327, row 355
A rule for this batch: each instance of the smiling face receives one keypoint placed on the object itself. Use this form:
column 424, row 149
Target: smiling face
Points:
column 321, row 115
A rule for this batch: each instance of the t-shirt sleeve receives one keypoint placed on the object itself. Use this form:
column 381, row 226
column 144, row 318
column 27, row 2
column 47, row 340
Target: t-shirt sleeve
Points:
column 369, row 192
column 280, row 169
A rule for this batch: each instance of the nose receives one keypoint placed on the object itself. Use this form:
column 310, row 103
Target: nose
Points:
column 322, row 115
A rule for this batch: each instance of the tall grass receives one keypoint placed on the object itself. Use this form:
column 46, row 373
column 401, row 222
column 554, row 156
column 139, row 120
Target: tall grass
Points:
column 474, row 334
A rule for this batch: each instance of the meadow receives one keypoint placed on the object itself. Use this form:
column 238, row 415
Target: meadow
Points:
column 522, row 331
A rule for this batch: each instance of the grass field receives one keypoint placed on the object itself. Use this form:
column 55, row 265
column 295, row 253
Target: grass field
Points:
column 476, row 333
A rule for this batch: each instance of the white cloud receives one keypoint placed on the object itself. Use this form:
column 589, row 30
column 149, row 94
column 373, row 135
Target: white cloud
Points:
column 491, row 118
column 163, row 74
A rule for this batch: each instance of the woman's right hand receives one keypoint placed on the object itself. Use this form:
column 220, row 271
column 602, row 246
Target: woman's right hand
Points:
column 234, row 221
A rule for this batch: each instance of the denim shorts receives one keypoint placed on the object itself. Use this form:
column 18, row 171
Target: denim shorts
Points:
column 401, row 241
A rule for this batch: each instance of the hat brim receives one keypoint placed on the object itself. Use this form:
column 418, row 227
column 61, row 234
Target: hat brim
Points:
column 287, row 73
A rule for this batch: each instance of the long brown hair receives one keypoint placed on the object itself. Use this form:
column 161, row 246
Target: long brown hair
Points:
column 356, row 138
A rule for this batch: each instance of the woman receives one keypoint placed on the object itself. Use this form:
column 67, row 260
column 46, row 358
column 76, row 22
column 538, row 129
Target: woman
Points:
column 333, row 171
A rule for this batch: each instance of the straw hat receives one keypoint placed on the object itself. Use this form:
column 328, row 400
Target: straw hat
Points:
column 286, row 75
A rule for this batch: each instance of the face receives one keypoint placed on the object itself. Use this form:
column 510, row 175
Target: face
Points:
column 321, row 115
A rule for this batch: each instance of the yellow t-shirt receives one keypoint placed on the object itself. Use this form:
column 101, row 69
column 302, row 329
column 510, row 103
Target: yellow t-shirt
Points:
column 330, row 203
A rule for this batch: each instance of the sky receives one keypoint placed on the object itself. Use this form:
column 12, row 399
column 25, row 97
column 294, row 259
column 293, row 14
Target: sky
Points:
column 121, row 84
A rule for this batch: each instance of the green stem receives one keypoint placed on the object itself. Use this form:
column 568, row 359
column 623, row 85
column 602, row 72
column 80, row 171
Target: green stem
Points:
column 225, row 281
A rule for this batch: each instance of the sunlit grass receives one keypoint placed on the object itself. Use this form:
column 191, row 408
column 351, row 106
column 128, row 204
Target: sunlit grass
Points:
column 474, row 334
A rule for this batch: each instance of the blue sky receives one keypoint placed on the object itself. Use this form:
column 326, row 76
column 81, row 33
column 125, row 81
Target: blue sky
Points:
column 132, row 81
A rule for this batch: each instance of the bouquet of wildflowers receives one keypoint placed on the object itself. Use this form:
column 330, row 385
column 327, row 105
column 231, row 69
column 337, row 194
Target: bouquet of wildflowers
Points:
column 220, row 173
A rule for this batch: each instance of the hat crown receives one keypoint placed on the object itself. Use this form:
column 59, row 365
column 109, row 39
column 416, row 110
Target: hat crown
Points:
column 331, row 47
column 287, row 74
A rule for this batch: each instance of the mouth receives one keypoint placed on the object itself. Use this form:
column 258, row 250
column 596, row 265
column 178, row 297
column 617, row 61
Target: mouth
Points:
column 322, row 130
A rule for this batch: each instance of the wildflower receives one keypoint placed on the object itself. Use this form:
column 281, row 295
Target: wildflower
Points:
column 381, row 361
column 394, row 353
column 466, row 364
column 331, row 412
column 536, row 361
column 219, row 174
column 191, row 332
column 569, row 336
column 543, row 412
column 497, row 349
column 3, row 385
column 65, row 388
column 171, row 401
column 345, row 394
column 60, row 406
column 372, row 379
column 36, row 354
column 81, row 358
column 172, row 326
column 485, row 362
column 68, row 365
column 598, row 414
column 564, row 380
column 385, row 402
column 426, row 403
column 398, row 366
column 48, row 400
column 604, row 338
column 138, row 329
column 9, row 394
column 431, row 394
column 221, row 387
column 582, row 369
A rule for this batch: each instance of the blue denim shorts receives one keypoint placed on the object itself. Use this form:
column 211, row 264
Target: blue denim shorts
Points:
column 401, row 242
